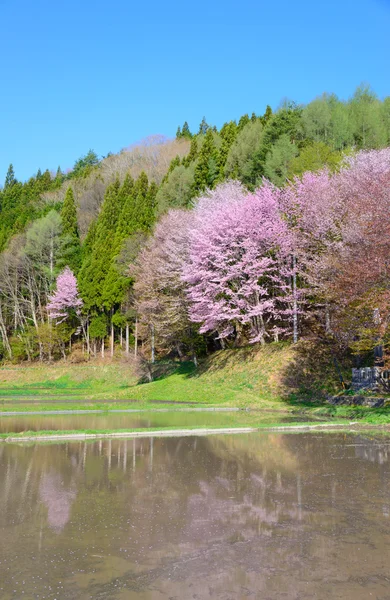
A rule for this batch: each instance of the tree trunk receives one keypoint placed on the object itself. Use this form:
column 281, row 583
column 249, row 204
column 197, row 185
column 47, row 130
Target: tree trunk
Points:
column 4, row 336
column 121, row 337
column 127, row 340
column 112, row 340
column 153, row 349
column 295, row 301
column 85, row 329
column 102, row 348
column 179, row 352
column 136, row 337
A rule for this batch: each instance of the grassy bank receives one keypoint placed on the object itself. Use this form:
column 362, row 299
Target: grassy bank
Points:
column 277, row 377
column 243, row 377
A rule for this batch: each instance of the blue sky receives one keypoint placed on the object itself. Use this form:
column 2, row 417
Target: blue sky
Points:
column 90, row 74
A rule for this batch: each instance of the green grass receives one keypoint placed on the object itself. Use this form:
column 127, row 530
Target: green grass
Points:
column 277, row 377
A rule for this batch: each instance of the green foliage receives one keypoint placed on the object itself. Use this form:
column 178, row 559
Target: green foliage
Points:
column 193, row 153
column 71, row 249
column 127, row 209
column 203, row 127
column 10, row 178
column 43, row 244
column 286, row 122
column 267, row 115
column 20, row 203
column 206, row 169
column 98, row 327
column 314, row 157
column 184, row 132
column 84, row 165
column 177, row 191
column 238, row 162
column 278, row 160
column 228, row 134
column 95, row 268
column 175, row 162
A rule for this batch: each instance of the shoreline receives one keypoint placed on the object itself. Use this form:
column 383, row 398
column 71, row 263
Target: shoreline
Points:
column 77, row 436
column 129, row 434
column 117, row 410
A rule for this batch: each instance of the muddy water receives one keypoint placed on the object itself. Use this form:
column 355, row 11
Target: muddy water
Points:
column 263, row 516
column 123, row 420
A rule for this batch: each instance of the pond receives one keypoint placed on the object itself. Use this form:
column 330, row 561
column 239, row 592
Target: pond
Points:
column 261, row 515
column 134, row 420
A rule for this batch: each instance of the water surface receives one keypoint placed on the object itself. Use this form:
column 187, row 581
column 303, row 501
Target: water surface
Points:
column 133, row 420
column 265, row 516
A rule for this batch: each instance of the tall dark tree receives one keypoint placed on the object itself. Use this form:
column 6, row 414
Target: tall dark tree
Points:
column 185, row 132
column 193, row 153
column 71, row 250
column 203, row 127
column 10, row 178
column 206, row 169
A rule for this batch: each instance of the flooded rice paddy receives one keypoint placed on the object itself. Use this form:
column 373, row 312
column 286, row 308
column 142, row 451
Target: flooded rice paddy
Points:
column 261, row 515
column 140, row 420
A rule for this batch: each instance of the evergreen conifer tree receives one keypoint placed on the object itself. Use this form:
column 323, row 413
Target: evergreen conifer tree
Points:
column 193, row 153
column 244, row 120
column 10, row 178
column 95, row 269
column 185, row 132
column 267, row 115
column 203, row 127
column 206, row 168
column 71, row 250
column 228, row 134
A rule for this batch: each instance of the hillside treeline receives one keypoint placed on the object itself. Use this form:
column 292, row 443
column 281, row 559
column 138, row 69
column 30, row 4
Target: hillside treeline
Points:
column 273, row 227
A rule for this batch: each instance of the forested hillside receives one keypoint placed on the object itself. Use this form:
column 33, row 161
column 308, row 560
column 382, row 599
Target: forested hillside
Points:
column 275, row 226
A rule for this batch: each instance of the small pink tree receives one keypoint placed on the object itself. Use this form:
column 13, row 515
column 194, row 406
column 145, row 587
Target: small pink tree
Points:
column 65, row 301
column 239, row 268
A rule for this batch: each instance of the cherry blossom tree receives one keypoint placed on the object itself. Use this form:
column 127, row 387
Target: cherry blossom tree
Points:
column 239, row 267
column 161, row 301
column 340, row 226
column 360, row 281
column 65, row 301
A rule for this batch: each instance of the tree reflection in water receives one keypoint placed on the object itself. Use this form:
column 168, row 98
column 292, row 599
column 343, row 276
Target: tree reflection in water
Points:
column 262, row 514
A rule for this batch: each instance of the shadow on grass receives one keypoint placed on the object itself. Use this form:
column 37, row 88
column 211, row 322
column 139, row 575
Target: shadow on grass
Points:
column 230, row 357
column 315, row 372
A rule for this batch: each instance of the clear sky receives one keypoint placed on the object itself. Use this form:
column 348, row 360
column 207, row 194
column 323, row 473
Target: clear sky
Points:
column 88, row 74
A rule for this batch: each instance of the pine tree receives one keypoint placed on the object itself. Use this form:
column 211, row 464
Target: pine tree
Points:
column 138, row 214
column 228, row 134
column 193, row 153
column 203, row 127
column 267, row 115
column 95, row 269
column 71, row 250
column 69, row 215
column 185, row 132
column 244, row 120
column 175, row 162
column 178, row 133
column 206, row 168
column 10, row 178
